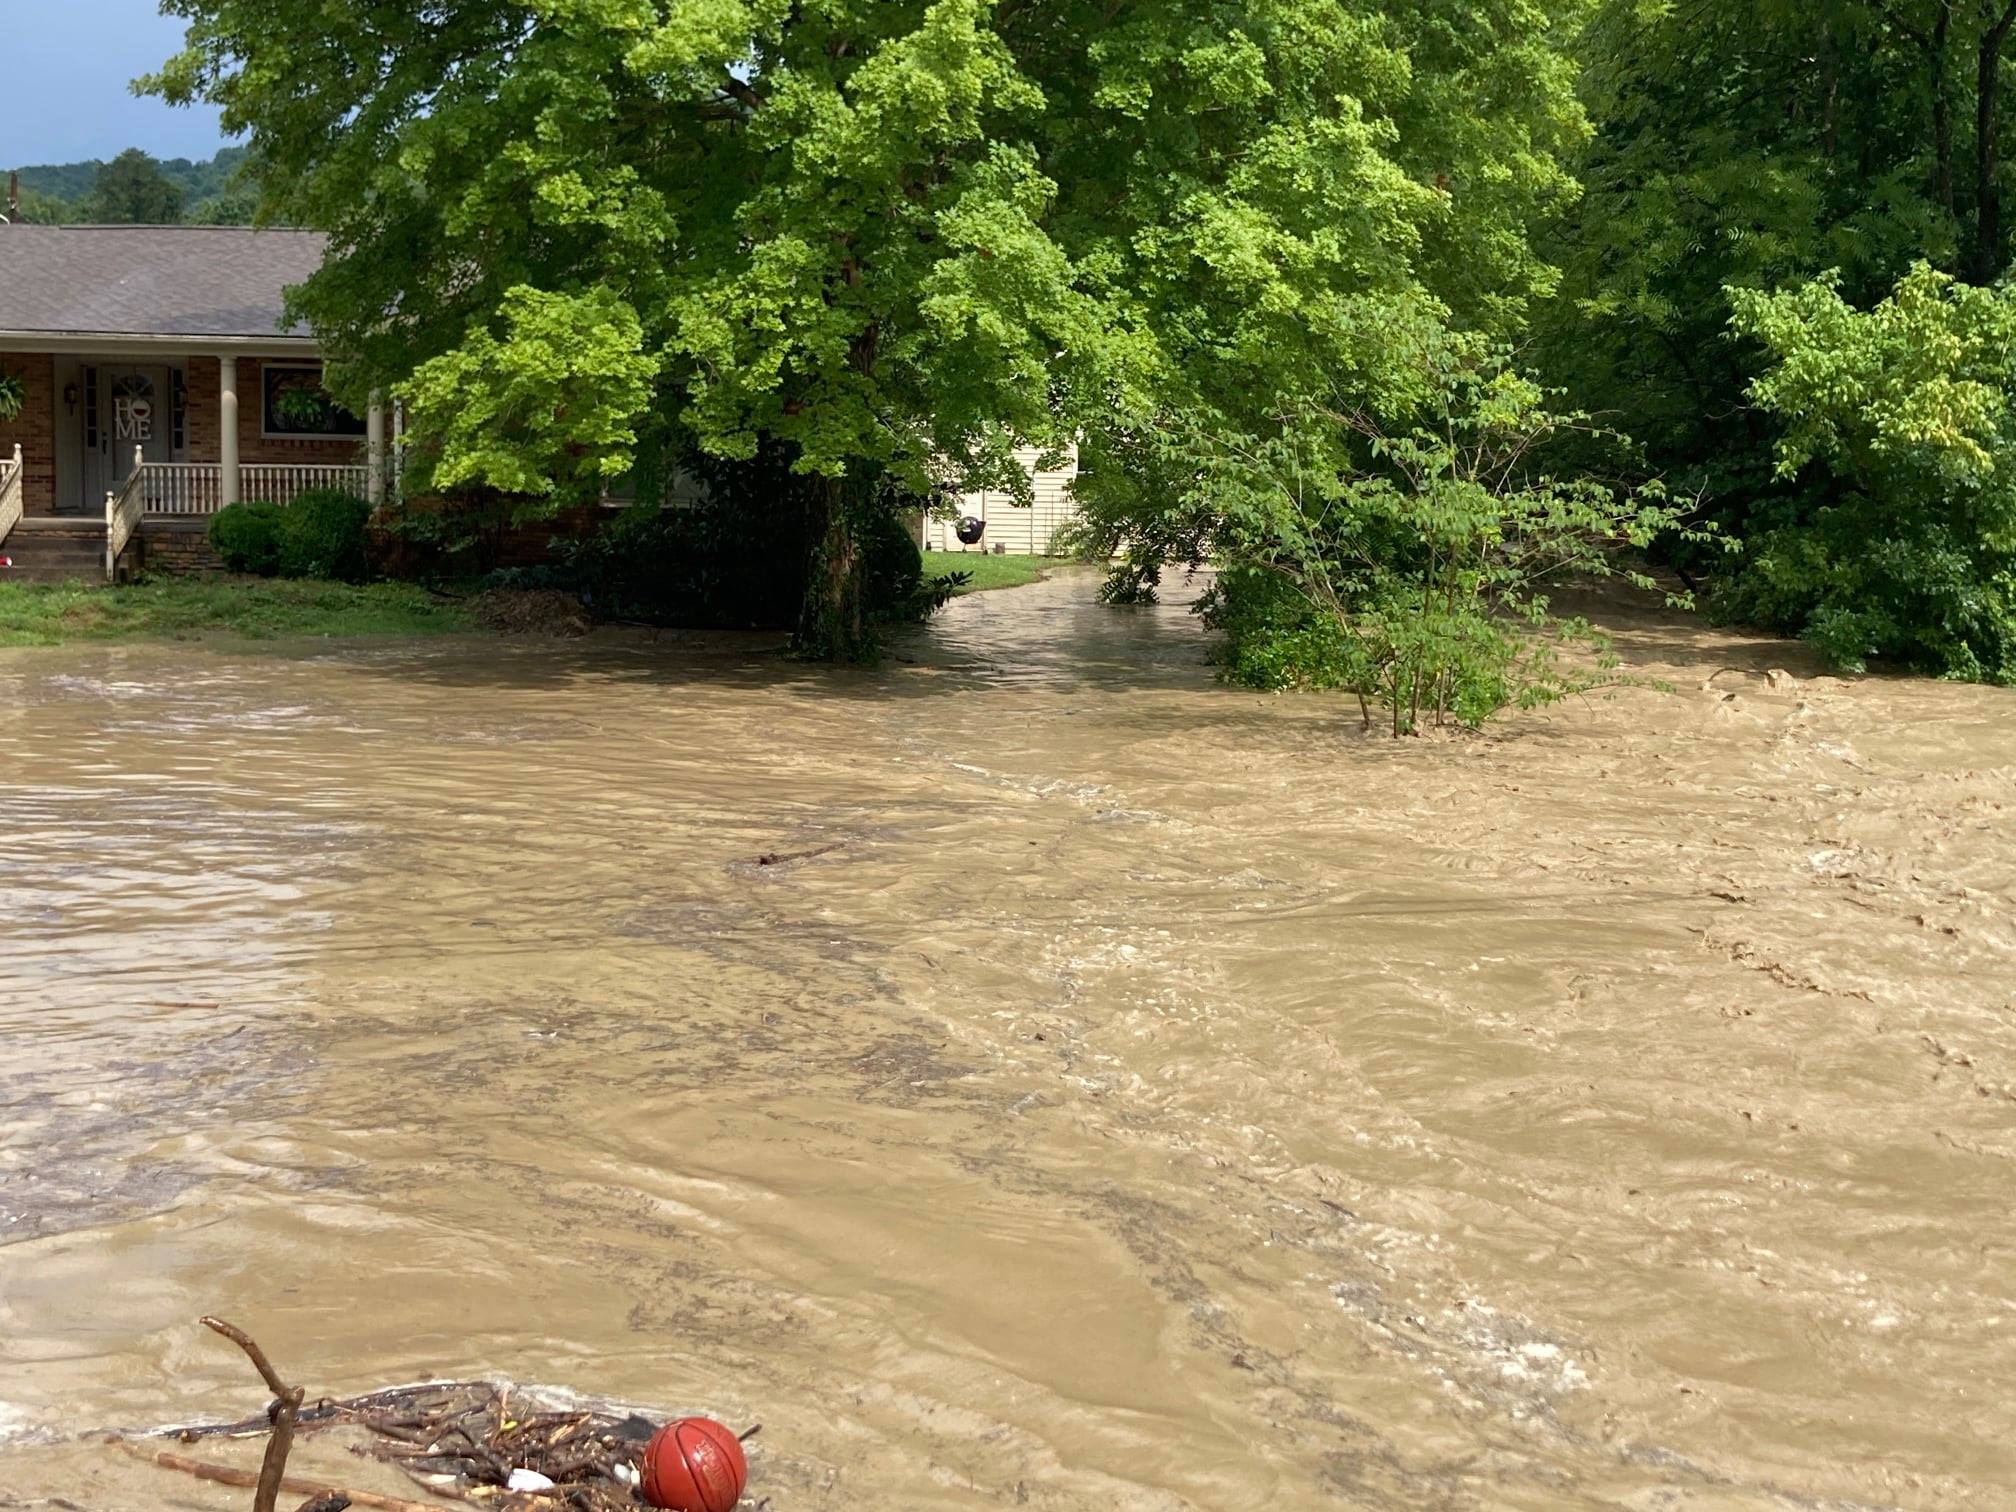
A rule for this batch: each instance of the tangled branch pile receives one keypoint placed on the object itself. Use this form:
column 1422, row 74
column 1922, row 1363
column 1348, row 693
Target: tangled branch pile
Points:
column 480, row 1442
column 463, row 1439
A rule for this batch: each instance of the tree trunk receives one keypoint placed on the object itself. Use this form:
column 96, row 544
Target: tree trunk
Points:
column 1830, row 105
column 1934, row 45
column 1942, row 116
column 832, row 625
column 1987, row 261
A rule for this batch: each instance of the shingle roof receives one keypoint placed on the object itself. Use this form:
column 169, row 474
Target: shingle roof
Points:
column 151, row 280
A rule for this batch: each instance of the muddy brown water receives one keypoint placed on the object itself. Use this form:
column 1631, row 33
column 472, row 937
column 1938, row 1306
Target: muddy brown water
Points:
column 1122, row 1093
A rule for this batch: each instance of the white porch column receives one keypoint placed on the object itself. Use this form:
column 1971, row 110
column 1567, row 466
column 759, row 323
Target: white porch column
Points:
column 374, row 450
column 227, row 427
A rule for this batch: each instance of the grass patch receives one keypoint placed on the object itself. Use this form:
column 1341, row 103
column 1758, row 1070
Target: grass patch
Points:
column 989, row 571
column 52, row 614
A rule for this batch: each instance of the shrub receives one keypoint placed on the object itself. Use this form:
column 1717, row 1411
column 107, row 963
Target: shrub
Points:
column 1900, row 431
column 892, row 562
column 893, row 569
column 1274, row 637
column 735, row 562
column 699, row 566
column 322, row 535
column 1410, row 565
column 247, row 537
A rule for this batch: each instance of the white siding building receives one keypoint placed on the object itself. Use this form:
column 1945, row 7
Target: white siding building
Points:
column 1022, row 532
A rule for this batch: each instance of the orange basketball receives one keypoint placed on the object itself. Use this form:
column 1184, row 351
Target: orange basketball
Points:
column 694, row 1465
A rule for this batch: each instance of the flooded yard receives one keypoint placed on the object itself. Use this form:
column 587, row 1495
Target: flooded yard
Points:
column 1023, row 1074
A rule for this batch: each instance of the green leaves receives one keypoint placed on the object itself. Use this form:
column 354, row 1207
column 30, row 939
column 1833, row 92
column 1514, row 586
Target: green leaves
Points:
column 554, row 397
column 1904, row 416
column 1411, row 566
column 689, row 46
column 888, row 239
column 1759, row 281
column 1921, row 381
column 881, row 232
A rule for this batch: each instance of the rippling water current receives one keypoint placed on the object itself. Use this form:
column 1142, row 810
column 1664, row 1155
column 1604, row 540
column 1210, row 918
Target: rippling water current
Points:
column 1118, row 1092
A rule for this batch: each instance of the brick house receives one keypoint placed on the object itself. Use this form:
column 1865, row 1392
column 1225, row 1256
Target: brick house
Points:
column 161, row 383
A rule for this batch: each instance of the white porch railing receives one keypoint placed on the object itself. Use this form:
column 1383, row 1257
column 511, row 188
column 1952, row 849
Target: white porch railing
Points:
column 182, row 488
column 123, row 509
column 197, row 488
column 10, row 493
column 282, row 483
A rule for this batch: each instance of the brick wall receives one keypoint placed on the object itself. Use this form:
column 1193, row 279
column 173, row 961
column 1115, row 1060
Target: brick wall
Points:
column 178, row 547
column 204, row 414
column 34, row 429
column 482, row 521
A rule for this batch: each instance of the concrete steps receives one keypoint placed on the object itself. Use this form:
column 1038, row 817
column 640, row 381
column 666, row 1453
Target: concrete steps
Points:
column 54, row 549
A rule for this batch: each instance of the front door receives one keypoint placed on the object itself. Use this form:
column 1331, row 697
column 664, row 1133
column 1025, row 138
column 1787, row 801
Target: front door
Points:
column 132, row 411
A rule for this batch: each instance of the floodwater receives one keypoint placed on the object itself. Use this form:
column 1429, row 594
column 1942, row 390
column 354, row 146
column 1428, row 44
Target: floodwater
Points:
column 1118, row 1092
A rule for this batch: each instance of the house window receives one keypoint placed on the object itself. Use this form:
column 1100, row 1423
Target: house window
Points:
column 295, row 405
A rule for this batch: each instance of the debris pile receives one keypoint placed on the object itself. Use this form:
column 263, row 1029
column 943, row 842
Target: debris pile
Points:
column 530, row 611
column 478, row 1442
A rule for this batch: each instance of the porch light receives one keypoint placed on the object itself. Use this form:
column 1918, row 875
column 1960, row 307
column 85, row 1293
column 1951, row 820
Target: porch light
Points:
column 70, row 397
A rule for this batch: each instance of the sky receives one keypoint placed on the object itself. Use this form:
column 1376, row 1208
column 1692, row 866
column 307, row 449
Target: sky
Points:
column 64, row 97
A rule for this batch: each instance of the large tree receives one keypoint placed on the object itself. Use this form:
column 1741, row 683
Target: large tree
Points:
column 885, row 239
column 131, row 190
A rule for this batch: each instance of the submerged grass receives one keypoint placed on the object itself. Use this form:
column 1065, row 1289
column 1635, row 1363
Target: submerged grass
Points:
column 990, row 571
column 38, row 614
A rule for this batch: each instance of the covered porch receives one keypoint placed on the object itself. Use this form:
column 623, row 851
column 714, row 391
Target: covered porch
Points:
column 194, row 427
column 119, row 434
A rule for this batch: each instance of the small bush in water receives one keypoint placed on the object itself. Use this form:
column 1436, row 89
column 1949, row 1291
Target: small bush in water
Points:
column 246, row 537
column 1406, row 564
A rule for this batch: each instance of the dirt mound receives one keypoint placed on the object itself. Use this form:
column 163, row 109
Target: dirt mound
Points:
column 530, row 611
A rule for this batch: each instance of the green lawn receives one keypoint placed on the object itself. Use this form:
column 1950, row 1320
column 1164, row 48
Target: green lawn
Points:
column 246, row 608
column 34, row 614
column 990, row 571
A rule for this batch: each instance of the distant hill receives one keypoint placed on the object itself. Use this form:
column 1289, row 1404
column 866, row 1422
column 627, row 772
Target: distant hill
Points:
column 199, row 181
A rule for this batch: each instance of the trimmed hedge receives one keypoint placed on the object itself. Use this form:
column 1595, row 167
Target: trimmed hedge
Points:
column 320, row 535
column 247, row 537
